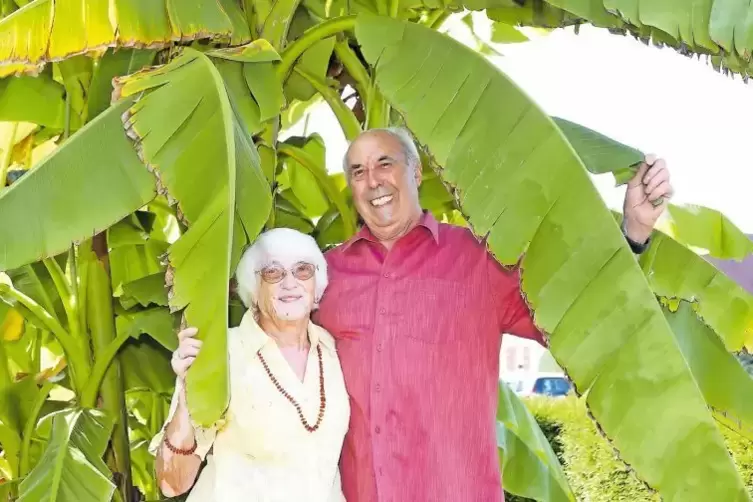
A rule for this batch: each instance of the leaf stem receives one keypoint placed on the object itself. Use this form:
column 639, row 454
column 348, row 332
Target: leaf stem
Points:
column 352, row 64
column 394, row 8
column 348, row 121
column 104, row 359
column 311, row 36
column 30, row 425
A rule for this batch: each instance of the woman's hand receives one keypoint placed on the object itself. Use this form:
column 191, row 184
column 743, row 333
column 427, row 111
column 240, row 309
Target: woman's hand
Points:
column 185, row 354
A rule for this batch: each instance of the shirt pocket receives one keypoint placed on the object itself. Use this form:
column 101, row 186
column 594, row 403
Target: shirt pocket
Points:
column 437, row 311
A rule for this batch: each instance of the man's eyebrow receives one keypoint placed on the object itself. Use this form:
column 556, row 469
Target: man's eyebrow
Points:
column 386, row 157
column 354, row 166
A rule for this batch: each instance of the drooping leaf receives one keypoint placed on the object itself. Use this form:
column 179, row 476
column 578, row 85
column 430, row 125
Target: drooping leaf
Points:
column 520, row 184
column 529, row 466
column 240, row 97
column 114, row 63
column 148, row 290
column 68, row 191
column 156, row 322
column 288, row 215
column 206, row 162
column 147, row 365
column 314, row 61
column 72, row 468
column 134, row 254
column 708, row 229
column 49, row 30
column 302, row 182
column 38, row 100
column 676, row 272
column 601, row 154
column 35, row 282
column 725, row 384
column 265, row 86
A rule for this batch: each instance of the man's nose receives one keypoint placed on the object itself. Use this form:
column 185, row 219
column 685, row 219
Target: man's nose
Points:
column 372, row 178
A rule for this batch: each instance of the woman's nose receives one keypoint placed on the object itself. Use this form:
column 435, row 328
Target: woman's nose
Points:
column 289, row 282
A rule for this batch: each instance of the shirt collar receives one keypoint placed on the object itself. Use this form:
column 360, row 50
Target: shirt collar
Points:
column 254, row 338
column 427, row 221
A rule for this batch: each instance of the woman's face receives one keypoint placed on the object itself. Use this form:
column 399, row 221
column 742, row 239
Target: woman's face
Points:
column 287, row 290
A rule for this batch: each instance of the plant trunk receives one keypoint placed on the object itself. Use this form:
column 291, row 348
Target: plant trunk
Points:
column 101, row 320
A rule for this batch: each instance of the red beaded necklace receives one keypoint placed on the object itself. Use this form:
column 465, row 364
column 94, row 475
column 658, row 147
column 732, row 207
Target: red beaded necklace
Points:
column 322, row 397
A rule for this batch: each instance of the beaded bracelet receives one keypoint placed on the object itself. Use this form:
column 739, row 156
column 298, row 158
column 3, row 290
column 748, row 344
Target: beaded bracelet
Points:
column 181, row 451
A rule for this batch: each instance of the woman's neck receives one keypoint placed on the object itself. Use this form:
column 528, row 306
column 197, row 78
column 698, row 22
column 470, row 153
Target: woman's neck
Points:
column 287, row 333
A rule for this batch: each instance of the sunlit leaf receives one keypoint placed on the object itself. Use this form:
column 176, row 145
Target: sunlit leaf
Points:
column 12, row 326
column 206, row 162
column 48, row 30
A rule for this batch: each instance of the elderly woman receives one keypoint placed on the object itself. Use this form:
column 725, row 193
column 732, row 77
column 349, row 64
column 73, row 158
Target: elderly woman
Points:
column 282, row 433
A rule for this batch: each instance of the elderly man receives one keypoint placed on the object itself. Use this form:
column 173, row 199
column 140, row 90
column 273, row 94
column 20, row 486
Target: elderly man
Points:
column 418, row 309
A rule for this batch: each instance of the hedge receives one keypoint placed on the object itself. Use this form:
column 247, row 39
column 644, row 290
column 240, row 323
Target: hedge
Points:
column 592, row 467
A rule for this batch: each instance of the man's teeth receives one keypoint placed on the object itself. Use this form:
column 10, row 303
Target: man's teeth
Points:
column 381, row 200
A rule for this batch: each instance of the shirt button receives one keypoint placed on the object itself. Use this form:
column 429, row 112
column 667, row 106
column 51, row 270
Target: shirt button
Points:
column 379, row 347
column 378, row 387
column 382, row 310
column 387, row 275
column 378, row 429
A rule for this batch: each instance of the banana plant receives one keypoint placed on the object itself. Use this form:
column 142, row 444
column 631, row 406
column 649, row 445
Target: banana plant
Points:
column 230, row 76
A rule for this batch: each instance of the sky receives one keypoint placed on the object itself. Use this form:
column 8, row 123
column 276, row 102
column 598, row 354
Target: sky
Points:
column 652, row 99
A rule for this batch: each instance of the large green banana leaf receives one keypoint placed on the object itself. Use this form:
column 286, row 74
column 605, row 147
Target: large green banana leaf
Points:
column 673, row 270
column 521, row 185
column 529, row 466
column 725, row 384
column 676, row 272
column 51, row 30
column 199, row 155
column 67, row 191
column 204, row 160
column 72, row 469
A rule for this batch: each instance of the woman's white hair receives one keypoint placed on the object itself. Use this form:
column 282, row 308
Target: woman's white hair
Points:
column 285, row 246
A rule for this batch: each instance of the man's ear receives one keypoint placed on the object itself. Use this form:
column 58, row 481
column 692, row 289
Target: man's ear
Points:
column 419, row 175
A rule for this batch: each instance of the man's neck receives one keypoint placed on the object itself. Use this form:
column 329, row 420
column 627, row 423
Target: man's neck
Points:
column 287, row 333
column 389, row 240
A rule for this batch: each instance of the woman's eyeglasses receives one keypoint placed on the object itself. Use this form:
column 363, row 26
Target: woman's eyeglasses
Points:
column 275, row 273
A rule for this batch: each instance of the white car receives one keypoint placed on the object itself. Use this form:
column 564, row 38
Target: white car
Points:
column 546, row 384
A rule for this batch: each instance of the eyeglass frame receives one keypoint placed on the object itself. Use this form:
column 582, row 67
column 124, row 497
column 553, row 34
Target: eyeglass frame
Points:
column 285, row 272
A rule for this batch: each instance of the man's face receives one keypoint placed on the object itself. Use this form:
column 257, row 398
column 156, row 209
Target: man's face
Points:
column 385, row 188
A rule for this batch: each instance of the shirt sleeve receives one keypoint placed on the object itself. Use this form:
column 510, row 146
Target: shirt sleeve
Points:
column 513, row 315
column 204, row 435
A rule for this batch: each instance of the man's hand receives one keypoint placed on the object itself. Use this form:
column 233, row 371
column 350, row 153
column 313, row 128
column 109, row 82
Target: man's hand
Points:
column 642, row 210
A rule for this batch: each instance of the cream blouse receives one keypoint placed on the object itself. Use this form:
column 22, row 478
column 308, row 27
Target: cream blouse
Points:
column 262, row 452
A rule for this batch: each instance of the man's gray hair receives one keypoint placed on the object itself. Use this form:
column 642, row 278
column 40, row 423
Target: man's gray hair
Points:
column 407, row 145
column 284, row 244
